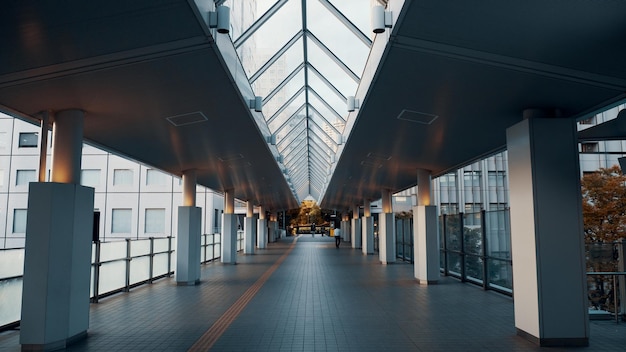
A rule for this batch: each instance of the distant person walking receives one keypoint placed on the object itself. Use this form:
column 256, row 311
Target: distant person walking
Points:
column 337, row 237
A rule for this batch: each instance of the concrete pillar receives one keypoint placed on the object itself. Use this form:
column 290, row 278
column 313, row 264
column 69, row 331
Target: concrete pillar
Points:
column 188, row 239
column 546, row 232
column 261, row 229
column 356, row 228
column 368, row 229
column 387, row 231
column 273, row 227
column 345, row 228
column 229, row 229
column 426, row 237
column 55, row 298
column 249, row 236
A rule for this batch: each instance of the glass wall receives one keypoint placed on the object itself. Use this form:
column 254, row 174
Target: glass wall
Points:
column 475, row 247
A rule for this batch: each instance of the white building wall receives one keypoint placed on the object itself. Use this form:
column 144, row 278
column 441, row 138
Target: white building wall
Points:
column 138, row 195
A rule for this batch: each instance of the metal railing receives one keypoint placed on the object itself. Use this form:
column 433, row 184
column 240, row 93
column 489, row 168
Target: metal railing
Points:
column 117, row 266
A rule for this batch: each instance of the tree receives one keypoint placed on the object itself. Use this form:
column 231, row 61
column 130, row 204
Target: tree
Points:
column 604, row 205
column 309, row 213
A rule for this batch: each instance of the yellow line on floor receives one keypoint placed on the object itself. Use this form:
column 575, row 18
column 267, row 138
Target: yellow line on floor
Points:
column 208, row 339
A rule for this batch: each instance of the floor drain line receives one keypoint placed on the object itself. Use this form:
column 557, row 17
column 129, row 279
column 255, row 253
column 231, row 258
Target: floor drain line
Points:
column 208, row 339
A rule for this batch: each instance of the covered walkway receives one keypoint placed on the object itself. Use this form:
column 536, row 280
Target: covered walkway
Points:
column 306, row 295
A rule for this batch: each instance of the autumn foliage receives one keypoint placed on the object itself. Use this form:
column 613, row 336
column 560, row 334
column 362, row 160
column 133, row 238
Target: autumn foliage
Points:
column 604, row 205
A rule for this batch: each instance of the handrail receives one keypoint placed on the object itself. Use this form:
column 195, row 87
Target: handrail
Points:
column 614, row 274
column 210, row 255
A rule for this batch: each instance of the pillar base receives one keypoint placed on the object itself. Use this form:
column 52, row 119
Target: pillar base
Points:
column 57, row 345
column 554, row 342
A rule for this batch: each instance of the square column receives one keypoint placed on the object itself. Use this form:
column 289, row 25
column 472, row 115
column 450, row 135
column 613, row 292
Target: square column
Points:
column 273, row 228
column 345, row 230
column 368, row 235
column 188, row 245
column 426, row 244
column 229, row 238
column 57, row 265
column 387, row 238
column 249, row 235
column 547, row 233
column 262, row 233
column 356, row 233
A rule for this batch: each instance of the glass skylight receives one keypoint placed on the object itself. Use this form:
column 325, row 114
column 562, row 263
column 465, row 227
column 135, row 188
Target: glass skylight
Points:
column 304, row 57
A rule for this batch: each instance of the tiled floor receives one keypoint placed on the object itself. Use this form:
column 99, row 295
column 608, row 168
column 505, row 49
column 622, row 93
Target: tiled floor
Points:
column 319, row 298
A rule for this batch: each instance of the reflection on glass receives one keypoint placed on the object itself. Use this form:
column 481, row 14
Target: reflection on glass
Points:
column 337, row 37
column 270, row 37
column 278, row 71
column 357, row 11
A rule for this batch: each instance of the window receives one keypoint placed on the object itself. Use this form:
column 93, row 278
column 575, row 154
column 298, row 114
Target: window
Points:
column 589, row 147
column 216, row 221
column 120, row 222
column 29, row 140
column 155, row 178
column 23, row 177
column 90, row 177
column 19, row 220
column 496, row 179
column 448, row 180
column 449, row 208
column 122, row 177
column 471, row 178
column 155, row 221
column 1, row 177
column 589, row 121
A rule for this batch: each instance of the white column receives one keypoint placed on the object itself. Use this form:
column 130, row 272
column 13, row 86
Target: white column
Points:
column 273, row 227
column 546, row 232
column 229, row 229
column 368, row 229
column 188, row 239
column 55, row 298
column 387, row 231
column 345, row 227
column 261, row 229
column 356, row 228
column 426, row 238
column 249, row 235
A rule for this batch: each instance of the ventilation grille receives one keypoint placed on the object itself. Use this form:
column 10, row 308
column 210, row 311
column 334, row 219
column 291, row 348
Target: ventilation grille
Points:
column 187, row 119
column 417, row 117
